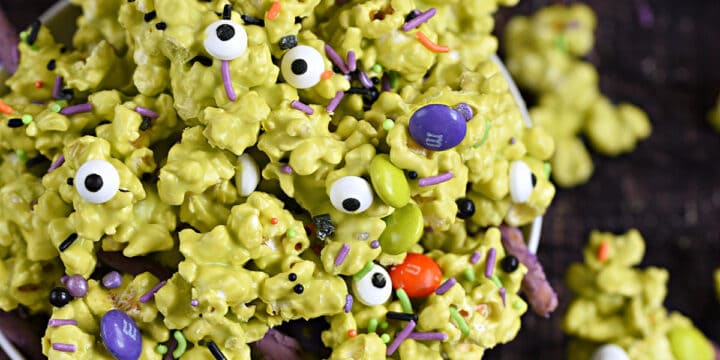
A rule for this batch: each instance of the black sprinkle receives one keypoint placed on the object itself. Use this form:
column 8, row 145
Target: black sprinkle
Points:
column 288, row 42
column 69, row 181
column 401, row 316
column 215, row 351
column 298, row 289
column 37, row 160
column 411, row 15
column 161, row 26
column 299, row 19
column 51, row 65
column 292, row 277
column 412, row 175
column 34, row 31
column 324, row 226
column 145, row 124
column 336, row 69
column 15, row 123
column 375, row 80
column 60, row 297
column 466, row 208
column 150, row 16
column 205, row 61
column 251, row 20
column 67, row 242
column 227, row 12
column 509, row 263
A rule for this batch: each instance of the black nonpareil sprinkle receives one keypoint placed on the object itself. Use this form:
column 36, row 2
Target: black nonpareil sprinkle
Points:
column 411, row 15
column 215, row 351
column 161, row 26
column 67, row 242
column 509, row 263
column 466, row 208
column 412, row 175
column 292, row 276
column 298, row 289
column 401, row 316
column 51, row 65
column 34, row 31
column 60, row 297
column 15, row 123
column 145, row 124
column 251, row 20
column 69, row 181
column 150, row 16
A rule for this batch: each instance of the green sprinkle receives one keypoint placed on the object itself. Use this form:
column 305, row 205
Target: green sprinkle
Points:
column 55, row 107
column 385, row 338
column 548, row 170
column 497, row 281
column 517, row 305
column 372, row 325
column 460, row 321
column 480, row 143
column 27, row 118
column 560, row 43
column 366, row 269
column 161, row 349
column 393, row 79
column 21, row 155
column 377, row 68
column 23, row 36
column 181, row 344
column 404, row 301
column 384, row 325
column 291, row 233
column 470, row 274
column 388, row 124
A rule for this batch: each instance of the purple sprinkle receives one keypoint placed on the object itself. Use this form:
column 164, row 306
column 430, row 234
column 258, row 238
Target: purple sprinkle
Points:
column 61, row 322
column 365, row 80
column 419, row 20
column 400, row 337
column 227, row 81
column 465, row 110
column 297, row 105
column 475, row 257
column 437, row 179
column 335, row 101
column 490, row 263
column 57, row 88
column 148, row 295
column 348, row 303
column 112, row 280
column 286, row 169
column 342, row 254
column 429, row 336
column 386, row 83
column 502, row 295
column 336, row 59
column 146, row 112
column 63, row 347
column 445, row 287
column 172, row 345
column 351, row 61
column 77, row 109
column 194, row 302
column 374, row 244
column 58, row 163
column 512, row 140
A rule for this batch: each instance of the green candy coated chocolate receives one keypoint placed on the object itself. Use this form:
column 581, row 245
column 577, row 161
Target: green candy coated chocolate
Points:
column 404, row 229
column 689, row 343
column 389, row 181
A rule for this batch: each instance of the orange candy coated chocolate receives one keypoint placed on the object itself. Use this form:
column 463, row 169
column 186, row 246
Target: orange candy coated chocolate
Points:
column 418, row 275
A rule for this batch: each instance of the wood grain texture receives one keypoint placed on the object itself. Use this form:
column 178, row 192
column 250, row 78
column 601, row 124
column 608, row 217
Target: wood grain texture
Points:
column 669, row 188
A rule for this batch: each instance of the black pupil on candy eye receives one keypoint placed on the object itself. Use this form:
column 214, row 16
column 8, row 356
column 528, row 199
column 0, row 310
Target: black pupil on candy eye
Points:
column 93, row 182
column 351, row 204
column 225, row 32
column 299, row 67
column 378, row 280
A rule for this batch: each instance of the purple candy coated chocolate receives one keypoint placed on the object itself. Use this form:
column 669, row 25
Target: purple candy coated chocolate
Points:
column 77, row 286
column 120, row 335
column 437, row 127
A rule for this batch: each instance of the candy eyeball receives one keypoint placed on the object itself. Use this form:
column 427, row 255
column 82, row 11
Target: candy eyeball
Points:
column 226, row 40
column 351, row 194
column 522, row 182
column 610, row 352
column 97, row 181
column 302, row 67
column 374, row 288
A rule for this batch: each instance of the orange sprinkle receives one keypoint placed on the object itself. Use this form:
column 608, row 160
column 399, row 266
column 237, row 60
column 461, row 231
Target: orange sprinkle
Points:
column 429, row 44
column 39, row 84
column 274, row 10
column 5, row 108
column 326, row 75
column 274, row 221
column 352, row 333
column 603, row 251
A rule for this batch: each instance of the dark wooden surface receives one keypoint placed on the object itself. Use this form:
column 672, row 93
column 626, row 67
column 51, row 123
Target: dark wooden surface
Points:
column 669, row 188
